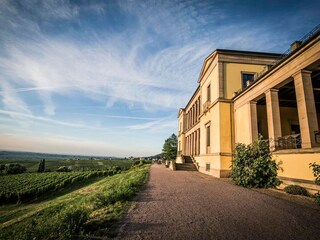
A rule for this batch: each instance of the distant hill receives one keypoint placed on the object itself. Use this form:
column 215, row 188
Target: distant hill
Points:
column 157, row 156
column 34, row 155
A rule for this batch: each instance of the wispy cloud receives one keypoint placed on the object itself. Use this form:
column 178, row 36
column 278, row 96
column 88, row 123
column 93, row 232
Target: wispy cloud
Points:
column 150, row 125
column 120, row 56
column 11, row 100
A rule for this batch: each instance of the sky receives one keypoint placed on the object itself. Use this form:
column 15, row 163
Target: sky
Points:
column 108, row 77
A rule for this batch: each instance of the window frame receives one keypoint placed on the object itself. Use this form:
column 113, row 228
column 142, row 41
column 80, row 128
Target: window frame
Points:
column 209, row 93
column 244, row 84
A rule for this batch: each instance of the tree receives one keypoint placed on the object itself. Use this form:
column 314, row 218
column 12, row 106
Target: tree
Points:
column 169, row 150
column 14, row 168
column 42, row 166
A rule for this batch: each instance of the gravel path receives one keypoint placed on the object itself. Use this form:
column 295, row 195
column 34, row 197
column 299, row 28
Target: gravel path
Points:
column 190, row 205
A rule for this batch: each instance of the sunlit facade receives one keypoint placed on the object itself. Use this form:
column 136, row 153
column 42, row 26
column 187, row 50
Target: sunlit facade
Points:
column 242, row 94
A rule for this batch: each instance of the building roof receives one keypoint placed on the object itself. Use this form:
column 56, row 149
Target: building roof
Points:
column 305, row 40
column 194, row 94
column 235, row 53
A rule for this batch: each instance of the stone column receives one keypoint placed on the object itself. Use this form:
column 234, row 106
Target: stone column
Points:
column 306, row 108
column 273, row 115
column 199, row 141
column 192, row 139
column 196, row 142
column 253, row 120
column 187, row 145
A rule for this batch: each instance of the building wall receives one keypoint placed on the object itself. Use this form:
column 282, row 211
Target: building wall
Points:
column 296, row 165
column 211, row 78
column 233, row 77
column 234, row 122
column 211, row 117
column 288, row 116
column 262, row 121
column 242, row 123
column 220, row 151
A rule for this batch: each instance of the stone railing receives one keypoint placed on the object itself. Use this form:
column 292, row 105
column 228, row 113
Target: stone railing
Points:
column 286, row 142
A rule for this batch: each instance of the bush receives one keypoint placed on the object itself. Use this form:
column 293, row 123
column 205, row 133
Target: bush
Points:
column 14, row 168
column 252, row 166
column 63, row 169
column 296, row 190
column 316, row 172
column 2, row 167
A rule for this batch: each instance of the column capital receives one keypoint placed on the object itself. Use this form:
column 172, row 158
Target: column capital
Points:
column 301, row 71
column 252, row 102
column 271, row 90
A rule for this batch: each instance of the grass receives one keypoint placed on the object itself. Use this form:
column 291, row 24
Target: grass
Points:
column 92, row 210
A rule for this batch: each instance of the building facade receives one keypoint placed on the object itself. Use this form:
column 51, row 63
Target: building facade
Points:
column 242, row 94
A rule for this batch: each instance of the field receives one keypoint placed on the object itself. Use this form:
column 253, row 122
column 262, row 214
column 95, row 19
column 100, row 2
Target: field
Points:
column 54, row 161
column 88, row 208
column 22, row 187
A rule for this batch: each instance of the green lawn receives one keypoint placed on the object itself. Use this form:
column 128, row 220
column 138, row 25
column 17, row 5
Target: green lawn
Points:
column 85, row 210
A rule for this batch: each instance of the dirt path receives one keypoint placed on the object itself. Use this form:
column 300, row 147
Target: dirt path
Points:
column 190, row 205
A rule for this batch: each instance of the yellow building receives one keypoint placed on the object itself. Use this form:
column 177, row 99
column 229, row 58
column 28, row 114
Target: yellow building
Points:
column 242, row 94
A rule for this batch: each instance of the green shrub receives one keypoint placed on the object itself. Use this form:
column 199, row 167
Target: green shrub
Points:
column 317, row 196
column 296, row 190
column 135, row 162
column 316, row 172
column 63, row 169
column 14, row 168
column 252, row 166
column 2, row 167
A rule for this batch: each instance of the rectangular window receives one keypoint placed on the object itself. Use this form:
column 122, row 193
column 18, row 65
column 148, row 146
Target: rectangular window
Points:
column 247, row 77
column 208, row 167
column 208, row 94
column 208, row 136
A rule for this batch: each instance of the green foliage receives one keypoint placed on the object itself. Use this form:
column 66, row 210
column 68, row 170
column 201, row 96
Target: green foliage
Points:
column 42, row 166
column 141, row 162
column 72, row 220
column 91, row 212
column 296, row 190
column 316, row 173
column 169, row 150
column 317, row 196
column 83, row 164
column 253, row 167
column 64, row 169
column 23, row 187
column 14, row 168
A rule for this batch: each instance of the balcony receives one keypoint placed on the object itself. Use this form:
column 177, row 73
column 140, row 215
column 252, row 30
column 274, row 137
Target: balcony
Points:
column 286, row 142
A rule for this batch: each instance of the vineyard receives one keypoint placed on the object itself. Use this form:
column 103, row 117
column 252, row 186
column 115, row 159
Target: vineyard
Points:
column 90, row 212
column 22, row 187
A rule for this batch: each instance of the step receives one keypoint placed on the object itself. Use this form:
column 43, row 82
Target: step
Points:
column 187, row 159
column 186, row 167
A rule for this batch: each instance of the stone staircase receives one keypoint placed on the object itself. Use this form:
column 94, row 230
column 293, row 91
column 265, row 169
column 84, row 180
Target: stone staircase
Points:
column 187, row 165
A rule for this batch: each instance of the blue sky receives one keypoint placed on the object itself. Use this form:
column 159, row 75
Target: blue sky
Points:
column 108, row 77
